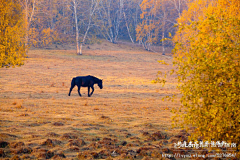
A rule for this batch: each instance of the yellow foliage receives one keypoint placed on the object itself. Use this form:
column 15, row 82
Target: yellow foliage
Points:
column 12, row 46
column 207, row 54
column 43, row 38
column 148, row 29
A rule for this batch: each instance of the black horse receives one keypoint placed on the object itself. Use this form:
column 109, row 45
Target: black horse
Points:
column 85, row 81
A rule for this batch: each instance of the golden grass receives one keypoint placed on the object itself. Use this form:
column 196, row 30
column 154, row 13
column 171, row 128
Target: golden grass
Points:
column 35, row 107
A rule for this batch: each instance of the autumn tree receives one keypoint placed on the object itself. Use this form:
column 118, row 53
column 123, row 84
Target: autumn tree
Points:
column 147, row 30
column 74, row 7
column 87, row 22
column 157, row 19
column 42, row 29
column 63, row 23
column 50, row 22
column 12, row 34
column 28, row 7
column 131, row 18
column 110, row 15
column 207, row 57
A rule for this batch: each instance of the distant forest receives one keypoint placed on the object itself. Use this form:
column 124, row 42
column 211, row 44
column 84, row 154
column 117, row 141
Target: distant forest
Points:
column 86, row 21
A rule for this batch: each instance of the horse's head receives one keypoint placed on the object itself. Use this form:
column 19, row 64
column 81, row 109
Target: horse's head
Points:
column 100, row 84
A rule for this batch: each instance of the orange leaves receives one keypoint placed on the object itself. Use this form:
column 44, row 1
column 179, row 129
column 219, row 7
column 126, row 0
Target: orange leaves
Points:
column 147, row 31
column 207, row 56
column 12, row 46
column 42, row 38
column 48, row 36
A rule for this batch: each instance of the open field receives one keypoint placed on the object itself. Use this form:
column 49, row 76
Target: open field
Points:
column 126, row 119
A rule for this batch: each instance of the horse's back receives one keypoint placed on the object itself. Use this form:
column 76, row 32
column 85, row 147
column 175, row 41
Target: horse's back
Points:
column 83, row 81
column 82, row 77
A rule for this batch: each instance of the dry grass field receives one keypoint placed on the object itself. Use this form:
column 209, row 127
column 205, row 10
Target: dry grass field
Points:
column 125, row 120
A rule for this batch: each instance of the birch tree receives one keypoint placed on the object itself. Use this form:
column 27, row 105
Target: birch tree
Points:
column 147, row 30
column 29, row 10
column 129, row 33
column 110, row 15
column 158, row 18
column 131, row 15
column 74, row 5
column 42, row 31
column 92, row 9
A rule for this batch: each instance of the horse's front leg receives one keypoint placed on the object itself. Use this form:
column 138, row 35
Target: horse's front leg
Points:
column 92, row 90
column 79, row 91
column 89, row 91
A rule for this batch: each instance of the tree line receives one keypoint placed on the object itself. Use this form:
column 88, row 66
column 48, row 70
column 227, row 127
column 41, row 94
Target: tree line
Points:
column 43, row 22
column 64, row 21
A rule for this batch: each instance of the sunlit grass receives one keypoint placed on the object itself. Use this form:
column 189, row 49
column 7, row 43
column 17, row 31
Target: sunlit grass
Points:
column 34, row 99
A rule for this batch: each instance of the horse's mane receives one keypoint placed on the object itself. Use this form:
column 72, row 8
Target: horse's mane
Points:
column 95, row 78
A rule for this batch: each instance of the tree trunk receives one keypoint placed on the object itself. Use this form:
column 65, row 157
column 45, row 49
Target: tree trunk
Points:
column 26, row 21
column 129, row 34
column 111, row 37
column 84, row 38
column 76, row 24
column 163, row 32
column 118, row 20
column 92, row 10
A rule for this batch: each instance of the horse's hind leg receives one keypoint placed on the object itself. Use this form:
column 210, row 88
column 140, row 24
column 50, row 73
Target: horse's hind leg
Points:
column 72, row 86
column 79, row 91
column 70, row 91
